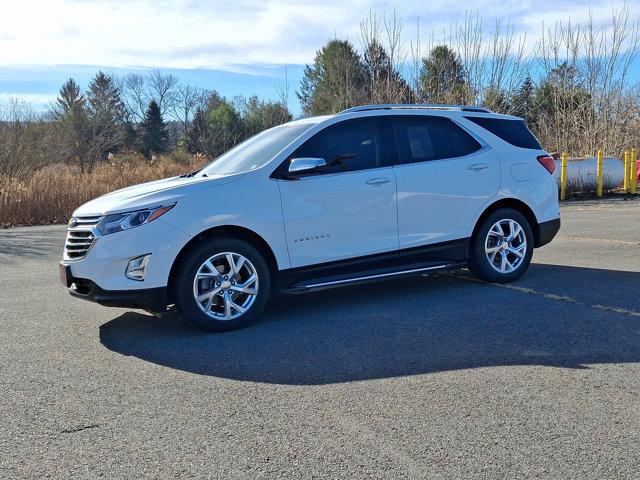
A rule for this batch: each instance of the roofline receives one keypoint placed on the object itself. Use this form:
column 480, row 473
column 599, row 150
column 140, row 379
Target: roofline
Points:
column 416, row 106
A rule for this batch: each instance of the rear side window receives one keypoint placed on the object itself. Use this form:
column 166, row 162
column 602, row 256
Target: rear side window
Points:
column 424, row 138
column 347, row 146
column 514, row 132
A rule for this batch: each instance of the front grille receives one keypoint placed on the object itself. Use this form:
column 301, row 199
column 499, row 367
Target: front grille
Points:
column 80, row 237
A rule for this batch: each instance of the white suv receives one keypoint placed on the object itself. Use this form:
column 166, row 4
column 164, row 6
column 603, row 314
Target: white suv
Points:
column 371, row 193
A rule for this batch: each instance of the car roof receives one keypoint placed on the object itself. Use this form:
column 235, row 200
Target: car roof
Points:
column 404, row 109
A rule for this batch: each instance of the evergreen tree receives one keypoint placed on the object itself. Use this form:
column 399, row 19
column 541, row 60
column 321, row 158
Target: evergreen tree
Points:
column 496, row 100
column 225, row 127
column 523, row 101
column 153, row 132
column 70, row 98
column 384, row 82
column 442, row 77
column 72, row 122
column 336, row 80
column 107, row 116
column 260, row 115
column 198, row 140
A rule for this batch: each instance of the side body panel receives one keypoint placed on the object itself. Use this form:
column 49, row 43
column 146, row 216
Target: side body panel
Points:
column 338, row 216
column 521, row 177
column 438, row 199
column 253, row 203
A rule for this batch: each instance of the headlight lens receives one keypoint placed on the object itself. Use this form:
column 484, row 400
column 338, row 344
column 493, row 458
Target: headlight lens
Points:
column 124, row 221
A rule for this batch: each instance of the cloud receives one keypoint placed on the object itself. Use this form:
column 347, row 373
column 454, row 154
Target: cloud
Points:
column 228, row 34
column 38, row 99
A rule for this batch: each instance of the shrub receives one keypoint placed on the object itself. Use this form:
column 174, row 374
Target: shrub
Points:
column 50, row 194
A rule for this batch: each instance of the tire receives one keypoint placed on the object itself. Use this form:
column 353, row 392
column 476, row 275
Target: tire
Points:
column 518, row 251
column 223, row 294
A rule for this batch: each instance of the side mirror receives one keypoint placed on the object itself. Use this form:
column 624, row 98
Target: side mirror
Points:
column 299, row 166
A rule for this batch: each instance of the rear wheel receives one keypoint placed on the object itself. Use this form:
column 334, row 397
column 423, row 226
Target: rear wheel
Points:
column 222, row 285
column 502, row 247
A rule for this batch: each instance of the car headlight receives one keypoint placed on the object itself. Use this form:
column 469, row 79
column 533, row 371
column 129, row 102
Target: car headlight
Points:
column 118, row 222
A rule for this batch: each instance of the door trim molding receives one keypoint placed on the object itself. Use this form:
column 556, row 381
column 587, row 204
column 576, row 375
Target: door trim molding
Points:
column 379, row 265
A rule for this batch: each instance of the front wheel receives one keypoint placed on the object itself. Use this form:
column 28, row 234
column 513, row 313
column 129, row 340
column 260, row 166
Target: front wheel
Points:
column 502, row 247
column 222, row 285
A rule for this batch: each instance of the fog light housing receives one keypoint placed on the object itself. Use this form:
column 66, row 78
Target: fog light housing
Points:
column 137, row 267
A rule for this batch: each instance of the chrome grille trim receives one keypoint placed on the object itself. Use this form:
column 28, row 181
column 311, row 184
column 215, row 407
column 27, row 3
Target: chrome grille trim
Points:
column 80, row 237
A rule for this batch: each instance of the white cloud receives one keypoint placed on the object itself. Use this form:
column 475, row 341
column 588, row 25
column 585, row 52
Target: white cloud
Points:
column 227, row 34
column 30, row 98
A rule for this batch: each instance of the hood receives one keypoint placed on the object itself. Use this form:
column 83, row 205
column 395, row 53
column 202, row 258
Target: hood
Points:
column 150, row 194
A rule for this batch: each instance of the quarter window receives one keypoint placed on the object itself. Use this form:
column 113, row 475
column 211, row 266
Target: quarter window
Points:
column 424, row 138
column 514, row 132
column 347, row 146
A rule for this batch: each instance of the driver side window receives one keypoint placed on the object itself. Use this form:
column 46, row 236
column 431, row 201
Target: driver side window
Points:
column 347, row 146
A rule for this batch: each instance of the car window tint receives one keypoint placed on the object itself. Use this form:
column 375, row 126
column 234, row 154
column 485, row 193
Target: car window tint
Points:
column 426, row 138
column 511, row 131
column 346, row 146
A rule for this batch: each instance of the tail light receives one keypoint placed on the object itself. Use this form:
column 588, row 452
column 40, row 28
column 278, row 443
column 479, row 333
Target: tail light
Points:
column 547, row 162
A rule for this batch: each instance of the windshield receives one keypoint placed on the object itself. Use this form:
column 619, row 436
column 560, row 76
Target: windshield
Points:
column 256, row 151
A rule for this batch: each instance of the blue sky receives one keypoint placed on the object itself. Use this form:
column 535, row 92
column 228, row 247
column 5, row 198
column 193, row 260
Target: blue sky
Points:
column 235, row 47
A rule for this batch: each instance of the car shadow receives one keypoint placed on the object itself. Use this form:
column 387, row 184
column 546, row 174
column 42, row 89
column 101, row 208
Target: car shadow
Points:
column 405, row 327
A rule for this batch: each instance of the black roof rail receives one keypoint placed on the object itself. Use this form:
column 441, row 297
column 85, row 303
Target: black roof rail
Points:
column 416, row 106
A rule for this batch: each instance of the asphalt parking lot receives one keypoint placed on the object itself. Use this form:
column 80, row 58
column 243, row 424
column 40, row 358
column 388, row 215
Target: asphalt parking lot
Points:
column 427, row 377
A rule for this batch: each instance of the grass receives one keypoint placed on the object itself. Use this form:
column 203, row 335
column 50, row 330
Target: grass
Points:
column 49, row 195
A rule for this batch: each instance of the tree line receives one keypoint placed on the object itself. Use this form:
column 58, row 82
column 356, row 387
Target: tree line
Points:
column 150, row 114
column 574, row 87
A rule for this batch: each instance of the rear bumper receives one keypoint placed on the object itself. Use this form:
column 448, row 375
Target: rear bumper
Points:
column 548, row 231
column 152, row 299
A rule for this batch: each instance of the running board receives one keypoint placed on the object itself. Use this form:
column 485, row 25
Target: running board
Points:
column 306, row 287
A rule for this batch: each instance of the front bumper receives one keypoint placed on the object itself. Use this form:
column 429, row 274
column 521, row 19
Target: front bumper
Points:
column 153, row 299
column 106, row 261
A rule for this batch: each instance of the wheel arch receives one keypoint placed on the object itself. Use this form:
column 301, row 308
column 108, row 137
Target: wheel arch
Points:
column 515, row 204
column 231, row 231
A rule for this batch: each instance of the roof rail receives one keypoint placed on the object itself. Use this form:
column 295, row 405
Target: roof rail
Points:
column 416, row 106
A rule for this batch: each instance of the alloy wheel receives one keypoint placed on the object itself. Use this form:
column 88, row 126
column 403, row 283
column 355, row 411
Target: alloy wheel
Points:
column 506, row 246
column 225, row 286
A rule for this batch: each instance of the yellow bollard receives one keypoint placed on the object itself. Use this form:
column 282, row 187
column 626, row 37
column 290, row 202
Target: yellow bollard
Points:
column 626, row 172
column 633, row 181
column 563, row 176
column 599, row 174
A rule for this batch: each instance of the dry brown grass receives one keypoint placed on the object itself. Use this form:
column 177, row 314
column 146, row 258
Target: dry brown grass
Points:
column 50, row 195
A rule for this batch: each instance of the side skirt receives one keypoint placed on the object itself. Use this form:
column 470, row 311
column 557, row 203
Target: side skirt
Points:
column 439, row 256
column 309, row 287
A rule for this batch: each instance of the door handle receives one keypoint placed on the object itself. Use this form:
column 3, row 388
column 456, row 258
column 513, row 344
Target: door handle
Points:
column 378, row 181
column 476, row 167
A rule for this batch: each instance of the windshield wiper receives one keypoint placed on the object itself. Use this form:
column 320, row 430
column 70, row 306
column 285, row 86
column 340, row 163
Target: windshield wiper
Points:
column 191, row 174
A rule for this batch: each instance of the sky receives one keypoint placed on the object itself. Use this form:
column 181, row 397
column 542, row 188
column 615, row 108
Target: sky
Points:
column 237, row 47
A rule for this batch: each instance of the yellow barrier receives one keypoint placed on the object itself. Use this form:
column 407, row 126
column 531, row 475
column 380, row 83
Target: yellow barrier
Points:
column 626, row 172
column 599, row 174
column 563, row 176
column 632, row 178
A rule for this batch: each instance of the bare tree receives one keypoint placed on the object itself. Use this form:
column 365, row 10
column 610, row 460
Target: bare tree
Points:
column 162, row 88
column 384, row 57
column 24, row 139
column 282, row 90
column 187, row 99
column 587, row 101
column 135, row 96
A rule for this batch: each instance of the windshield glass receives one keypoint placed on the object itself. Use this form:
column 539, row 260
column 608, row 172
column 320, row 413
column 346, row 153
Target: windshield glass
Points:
column 256, row 151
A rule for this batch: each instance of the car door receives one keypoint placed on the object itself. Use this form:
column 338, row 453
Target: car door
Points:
column 444, row 176
column 346, row 209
